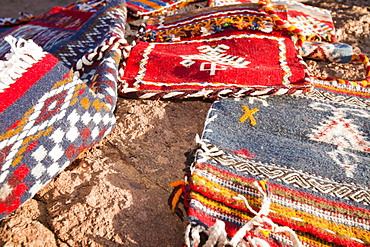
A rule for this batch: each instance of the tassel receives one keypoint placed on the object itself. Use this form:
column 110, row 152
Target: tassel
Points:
column 179, row 194
column 246, row 236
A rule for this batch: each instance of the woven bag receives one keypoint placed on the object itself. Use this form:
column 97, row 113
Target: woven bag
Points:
column 282, row 170
column 229, row 51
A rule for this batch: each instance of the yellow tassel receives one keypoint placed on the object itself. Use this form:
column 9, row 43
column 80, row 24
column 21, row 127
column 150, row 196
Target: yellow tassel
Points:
column 175, row 200
column 178, row 183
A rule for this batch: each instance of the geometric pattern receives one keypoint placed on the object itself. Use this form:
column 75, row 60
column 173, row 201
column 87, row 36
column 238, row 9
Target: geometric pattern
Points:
column 208, row 21
column 155, row 7
column 215, row 56
column 103, row 21
column 315, row 23
column 333, row 52
column 58, row 116
column 63, row 123
column 288, row 176
column 311, row 150
column 277, row 69
column 69, row 33
column 214, row 191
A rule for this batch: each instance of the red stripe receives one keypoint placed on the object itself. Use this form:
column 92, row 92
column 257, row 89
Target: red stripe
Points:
column 28, row 79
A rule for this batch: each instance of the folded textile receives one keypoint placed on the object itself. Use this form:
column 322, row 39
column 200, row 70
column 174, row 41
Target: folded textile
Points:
column 283, row 170
column 49, row 113
column 48, row 117
column 229, row 51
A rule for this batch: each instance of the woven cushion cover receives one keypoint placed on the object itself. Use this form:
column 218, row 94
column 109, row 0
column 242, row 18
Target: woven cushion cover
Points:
column 313, row 151
column 315, row 23
column 229, row 62
column 69, row 32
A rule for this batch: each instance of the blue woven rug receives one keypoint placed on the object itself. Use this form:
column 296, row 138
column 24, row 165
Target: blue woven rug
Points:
column 299, row 162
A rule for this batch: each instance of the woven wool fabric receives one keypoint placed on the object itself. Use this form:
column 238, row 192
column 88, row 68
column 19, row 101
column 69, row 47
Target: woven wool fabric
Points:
column 235, row 59
column 207, row 21
column 232, row 65
column 48, row 117
column 155, row 7
column 313, row 151
column 72, row 31
column 331, row 52
column 315, row 23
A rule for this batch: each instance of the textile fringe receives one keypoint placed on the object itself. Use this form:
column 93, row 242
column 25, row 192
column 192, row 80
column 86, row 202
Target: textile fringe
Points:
column 246, row 235
column 217, row 235
column 23, row 55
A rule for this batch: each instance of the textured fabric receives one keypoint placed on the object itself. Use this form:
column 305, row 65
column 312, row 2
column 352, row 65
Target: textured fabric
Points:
column 155, row 7
column 182, row 57
column 48, row 117
column 72, row 31
column 229, row 65
column 325, row 51
column 49, row 114
column 313, row 151
column 208, row 21
column 315, row 23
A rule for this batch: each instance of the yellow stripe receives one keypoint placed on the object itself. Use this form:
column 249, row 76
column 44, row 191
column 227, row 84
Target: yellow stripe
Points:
column 342, row 90
column 279, row 210
column 320, row 223
column 220, row 207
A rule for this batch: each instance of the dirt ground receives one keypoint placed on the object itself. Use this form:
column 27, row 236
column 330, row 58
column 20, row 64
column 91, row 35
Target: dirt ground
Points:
column 116, row 193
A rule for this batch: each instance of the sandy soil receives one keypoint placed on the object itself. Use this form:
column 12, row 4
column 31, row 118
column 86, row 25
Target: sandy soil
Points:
column 116, row 193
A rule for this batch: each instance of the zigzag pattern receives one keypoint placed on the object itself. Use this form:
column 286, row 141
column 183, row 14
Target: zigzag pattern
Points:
column 282, row 200
column 94, row 35
column 290, row 177
column 340, row 99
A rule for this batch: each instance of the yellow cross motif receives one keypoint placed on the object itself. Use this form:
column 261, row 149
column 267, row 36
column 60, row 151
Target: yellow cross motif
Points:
column 248, row 114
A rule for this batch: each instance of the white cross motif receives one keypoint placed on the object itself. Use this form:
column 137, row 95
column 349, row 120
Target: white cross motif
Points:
column 214, row 58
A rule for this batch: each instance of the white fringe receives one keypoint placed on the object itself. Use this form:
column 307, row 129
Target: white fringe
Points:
column 217, row 235
column 23, row 54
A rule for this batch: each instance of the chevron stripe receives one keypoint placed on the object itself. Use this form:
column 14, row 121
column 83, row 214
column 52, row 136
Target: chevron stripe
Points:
column 290, row 177
column 212, row 197
column 94, row 35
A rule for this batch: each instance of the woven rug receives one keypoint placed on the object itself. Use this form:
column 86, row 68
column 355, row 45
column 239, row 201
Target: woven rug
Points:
column 49, row 112
column 315, row 23
column 283, row 170
column 48, row 117
column 214, row 52
column 70, row 32
column 208, row 21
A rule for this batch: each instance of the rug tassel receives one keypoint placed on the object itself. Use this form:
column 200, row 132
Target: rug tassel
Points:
column 179, row 191
column 245, row 237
